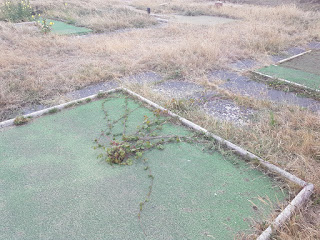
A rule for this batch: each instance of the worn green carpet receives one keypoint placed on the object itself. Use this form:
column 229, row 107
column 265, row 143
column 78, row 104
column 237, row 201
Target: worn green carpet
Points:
column 62, row 28
column 52, row 186
column 304, row 70
column 309, row 62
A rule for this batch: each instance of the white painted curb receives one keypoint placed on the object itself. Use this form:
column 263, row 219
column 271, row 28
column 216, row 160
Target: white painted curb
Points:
column 284, row 80
column 287, row 81
column 10, row 122
column 292, row 57
column 302, row 197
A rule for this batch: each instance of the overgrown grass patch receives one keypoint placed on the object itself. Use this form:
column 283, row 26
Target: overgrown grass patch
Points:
column 101, row 17
column 16, row 11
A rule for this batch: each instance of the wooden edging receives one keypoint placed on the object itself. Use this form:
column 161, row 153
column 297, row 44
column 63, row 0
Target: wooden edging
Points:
column 301, row 198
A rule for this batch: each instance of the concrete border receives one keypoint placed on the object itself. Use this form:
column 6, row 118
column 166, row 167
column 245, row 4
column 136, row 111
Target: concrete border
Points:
column 10, row 122
column 292, row 57
column 284, row 80
column 299, row 200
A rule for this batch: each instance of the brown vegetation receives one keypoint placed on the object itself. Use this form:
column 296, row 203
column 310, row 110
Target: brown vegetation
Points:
column 35, row 68
column 71, row 62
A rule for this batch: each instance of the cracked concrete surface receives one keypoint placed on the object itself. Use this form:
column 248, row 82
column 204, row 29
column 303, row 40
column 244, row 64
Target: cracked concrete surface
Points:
column 233, row 79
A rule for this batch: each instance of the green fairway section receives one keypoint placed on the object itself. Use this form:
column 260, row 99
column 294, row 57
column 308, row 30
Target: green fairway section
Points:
column 63, row 28
column 52, row 186
column 293, row 75
column 309, row 62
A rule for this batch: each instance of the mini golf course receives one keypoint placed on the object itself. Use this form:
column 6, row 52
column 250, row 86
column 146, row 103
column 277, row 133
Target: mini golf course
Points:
column 302, row 70
column 200, row 20
column 62, row 28
column 53, row 186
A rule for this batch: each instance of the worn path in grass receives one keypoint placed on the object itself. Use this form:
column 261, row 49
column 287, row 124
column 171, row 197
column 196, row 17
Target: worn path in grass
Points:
column 53, row 186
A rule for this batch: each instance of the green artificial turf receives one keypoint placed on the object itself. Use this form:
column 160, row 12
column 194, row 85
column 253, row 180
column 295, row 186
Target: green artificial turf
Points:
column 52, row 186
column 309, row 62
column 293, row 75
column 62, row 28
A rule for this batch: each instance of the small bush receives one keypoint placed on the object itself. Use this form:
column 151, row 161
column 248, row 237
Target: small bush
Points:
column 101, row 95
column 180, row 104
column 20, row 120
column 45, row 26
column 17, row 11
column 53, row 110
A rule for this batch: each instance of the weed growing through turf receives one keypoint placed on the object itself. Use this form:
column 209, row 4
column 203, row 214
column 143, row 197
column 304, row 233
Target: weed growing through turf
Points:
column 122, row 148
column 45, row 26
column 273, row 122
column 53, row 110
column 20, row 120
column 180, row 104
column 101, row 95
column 17, row 11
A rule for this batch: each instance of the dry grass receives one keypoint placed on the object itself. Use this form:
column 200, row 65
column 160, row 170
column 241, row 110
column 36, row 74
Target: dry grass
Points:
column 101, row 19
column 36, row 67
column 101, row 16
column 72, row 62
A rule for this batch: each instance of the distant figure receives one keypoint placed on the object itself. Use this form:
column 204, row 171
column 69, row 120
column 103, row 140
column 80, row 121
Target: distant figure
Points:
column 218, row 4
column 148, row 10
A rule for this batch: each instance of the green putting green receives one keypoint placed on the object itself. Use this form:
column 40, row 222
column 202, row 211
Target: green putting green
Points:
column 309, row 80
column 308, row 62
column 52, row 186
column 63, row 28
column 303, row 70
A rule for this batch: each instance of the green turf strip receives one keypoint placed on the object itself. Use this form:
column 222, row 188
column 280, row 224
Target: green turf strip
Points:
column 293, row 75
column 309, row 62
column 52, row 186
column 63, row 28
